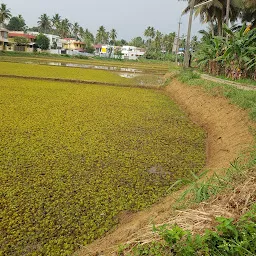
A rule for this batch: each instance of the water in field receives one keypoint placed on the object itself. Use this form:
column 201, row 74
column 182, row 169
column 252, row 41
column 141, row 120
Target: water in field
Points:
column 78, row 65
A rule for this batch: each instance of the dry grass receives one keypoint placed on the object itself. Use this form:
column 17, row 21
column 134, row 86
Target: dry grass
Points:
column 231, row 203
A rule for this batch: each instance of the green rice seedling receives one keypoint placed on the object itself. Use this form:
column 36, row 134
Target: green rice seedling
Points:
column 73, row 156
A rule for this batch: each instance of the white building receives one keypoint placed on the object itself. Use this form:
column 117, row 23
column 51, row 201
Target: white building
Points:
column 55, row 41
column 131, row 52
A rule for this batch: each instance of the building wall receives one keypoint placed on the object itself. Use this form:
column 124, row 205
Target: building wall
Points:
column 1, row 46
column 72, row 46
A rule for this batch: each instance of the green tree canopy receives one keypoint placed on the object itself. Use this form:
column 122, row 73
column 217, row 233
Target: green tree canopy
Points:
column 16, row 24
column 42, row 42
column 137, row 42
column 21, row 40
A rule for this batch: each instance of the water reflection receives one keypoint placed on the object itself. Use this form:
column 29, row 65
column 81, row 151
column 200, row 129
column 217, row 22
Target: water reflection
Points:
column 76, row 65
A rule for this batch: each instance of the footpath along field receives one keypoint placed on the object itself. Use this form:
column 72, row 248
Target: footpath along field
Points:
column 74, row 156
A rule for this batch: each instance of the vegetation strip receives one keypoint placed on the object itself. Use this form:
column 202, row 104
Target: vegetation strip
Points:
column 222, row 81
column 66, row 80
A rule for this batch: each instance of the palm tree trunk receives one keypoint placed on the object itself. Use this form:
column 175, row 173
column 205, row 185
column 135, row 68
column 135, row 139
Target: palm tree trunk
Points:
column 220, row 27
column 212, row 27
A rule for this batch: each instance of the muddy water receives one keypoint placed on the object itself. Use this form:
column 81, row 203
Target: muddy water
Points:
column 76, row 65
column 124, row 72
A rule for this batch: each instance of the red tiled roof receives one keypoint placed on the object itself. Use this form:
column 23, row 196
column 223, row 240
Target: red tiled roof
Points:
column 97, row 46
column 21, row 35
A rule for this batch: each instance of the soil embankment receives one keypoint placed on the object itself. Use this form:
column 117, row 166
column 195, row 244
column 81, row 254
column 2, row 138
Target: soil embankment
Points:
column 228, row 135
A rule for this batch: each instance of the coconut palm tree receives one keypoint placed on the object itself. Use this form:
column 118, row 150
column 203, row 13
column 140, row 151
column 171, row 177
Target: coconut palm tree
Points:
column 5, row 14
column 56, row 19
column 75, row 30
column 158, row 41
column 64, row 28
column 150, row 34
column 168, row 41
column 88, row 36
column 81, row 33
column 113, row 35
column 102, row 35
column 44, row 23
column 215, row 11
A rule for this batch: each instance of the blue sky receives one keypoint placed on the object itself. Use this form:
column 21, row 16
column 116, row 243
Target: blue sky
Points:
column 129, row 18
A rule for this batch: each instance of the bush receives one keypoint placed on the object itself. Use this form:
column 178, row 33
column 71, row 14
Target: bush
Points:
column 43, row 42
column 229, row 238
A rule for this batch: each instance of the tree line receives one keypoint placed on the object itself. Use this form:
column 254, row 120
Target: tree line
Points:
column 156, row 43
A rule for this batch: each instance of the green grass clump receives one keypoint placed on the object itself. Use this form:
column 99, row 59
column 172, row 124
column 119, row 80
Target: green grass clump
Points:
column 229, row 238
column 243, row 98
column 74, row 156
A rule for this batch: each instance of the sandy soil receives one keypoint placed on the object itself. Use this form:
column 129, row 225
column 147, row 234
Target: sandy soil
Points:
column 228, row 135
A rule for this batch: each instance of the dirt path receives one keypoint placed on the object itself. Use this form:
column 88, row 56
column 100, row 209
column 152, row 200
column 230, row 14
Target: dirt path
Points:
column 222, row 81
column 228, row 135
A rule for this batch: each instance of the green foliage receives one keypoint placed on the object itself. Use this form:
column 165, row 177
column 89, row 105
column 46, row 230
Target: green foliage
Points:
column 202, row 190
column 16, row 24
column 42, row 42
column 187, row 75
column 74, row 156
column 229, row 238
column 244, row 99
column 118, row 53
column 89, row 48
column 21, row 40
column 158, row 55
column 137, row 42
column 234, row 58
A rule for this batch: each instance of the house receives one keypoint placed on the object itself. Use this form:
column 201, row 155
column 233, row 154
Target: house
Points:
column 106, row 51
column 54, row 40
column 132, row 52
column 20, row 41
column 3, row 38
column 97, row 48
column 72, row 44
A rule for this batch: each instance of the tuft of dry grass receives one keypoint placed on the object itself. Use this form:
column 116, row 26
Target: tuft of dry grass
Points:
column 231, row 203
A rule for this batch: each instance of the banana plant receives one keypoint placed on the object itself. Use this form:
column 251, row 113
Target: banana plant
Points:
column 209, row 51
column 240, row 50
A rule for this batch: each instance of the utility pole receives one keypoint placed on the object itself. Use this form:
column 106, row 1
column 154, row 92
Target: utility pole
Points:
column 227, row 16
column 178, row 41
column 186, row 58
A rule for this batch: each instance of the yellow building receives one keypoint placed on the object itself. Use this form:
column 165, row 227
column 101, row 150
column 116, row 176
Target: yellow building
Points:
column 3, row 39
column 72, row 44
column 19, row 41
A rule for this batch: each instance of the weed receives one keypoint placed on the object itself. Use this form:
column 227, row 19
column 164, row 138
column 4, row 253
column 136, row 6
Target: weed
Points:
column 229, row 238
